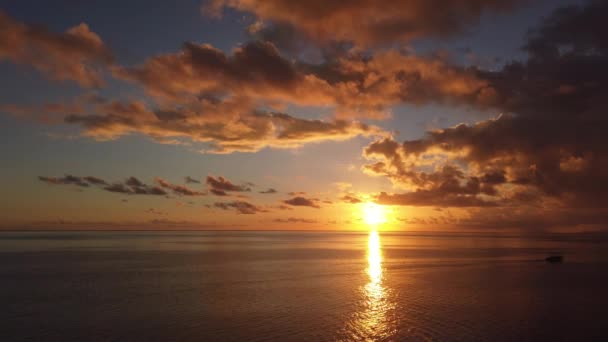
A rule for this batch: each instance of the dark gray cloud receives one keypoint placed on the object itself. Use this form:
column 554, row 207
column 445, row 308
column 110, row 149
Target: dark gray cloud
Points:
column 241, row 207
column 134, row 182
column 177, row 189
column 130, row 186
column 72, row 180
column 432, row 198
column 190, row 180
column 94, row 180
column 302, row 202
column 133, row 186
column 220, row 186
column 295, row 220
column 269, row 191
column 549, row 148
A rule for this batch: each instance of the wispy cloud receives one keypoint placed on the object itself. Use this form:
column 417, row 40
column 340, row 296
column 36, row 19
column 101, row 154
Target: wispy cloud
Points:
column 366, row 22
column 241, row 207
column 130, row 186
column 269, row 191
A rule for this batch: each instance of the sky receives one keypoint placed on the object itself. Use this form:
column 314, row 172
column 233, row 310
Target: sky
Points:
column 247, row 114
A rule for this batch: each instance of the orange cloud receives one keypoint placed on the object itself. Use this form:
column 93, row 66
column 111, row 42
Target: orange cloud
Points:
column 351, row 198
column 368, row 22
column 227, row 126
column 255, row 70
column 77, row 54
column 355, row 85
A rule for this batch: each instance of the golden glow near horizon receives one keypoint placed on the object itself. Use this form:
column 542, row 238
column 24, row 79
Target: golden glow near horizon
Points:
column 373, row 214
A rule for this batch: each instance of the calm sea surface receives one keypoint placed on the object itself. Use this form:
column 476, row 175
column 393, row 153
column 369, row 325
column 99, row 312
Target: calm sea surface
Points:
column 300, row 286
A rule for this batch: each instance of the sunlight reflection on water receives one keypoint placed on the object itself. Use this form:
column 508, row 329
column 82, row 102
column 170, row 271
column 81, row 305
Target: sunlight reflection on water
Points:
column 372, row 322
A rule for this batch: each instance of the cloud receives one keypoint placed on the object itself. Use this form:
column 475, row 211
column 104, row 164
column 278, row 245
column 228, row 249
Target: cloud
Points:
column 295, row 220
column 49, row 113
column 368, row 22
column 218, row 192
column 255, row 69
column 227, row 126
column 190, row 180
column 77, row 54
column 94, row 180
column 431, row 182
column 284, row 207
column 284, row 36
column 154, row 211
column 432, row 198
column 134, row 182
column 131, row 186
column 118, row 188
column 136, row 225
column 350, row 199
column 220, row 186
column 355, row 84
column 548, row 149
column 241, row 207
column 516, row 218
column 532, row 218
column 269, row 191
column 178, row 189
column 302, row 202
column 73, row 180
column 204, row 95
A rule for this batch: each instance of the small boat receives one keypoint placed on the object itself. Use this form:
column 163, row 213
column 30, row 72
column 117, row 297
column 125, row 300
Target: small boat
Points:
column 554, row 259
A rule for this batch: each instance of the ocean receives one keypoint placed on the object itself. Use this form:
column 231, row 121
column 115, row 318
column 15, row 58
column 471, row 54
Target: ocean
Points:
column 301, row 286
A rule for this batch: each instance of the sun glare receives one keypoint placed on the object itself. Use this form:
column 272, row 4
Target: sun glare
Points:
column 373, row 214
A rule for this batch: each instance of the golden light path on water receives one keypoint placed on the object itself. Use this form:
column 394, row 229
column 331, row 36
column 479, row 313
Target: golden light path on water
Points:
column 372, row 321
column 374, row 269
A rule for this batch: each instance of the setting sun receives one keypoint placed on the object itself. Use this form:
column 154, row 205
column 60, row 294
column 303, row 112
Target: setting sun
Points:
column 321, row 170
column 373, row 214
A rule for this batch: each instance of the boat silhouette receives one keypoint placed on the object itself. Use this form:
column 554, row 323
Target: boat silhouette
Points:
column 554, row 259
